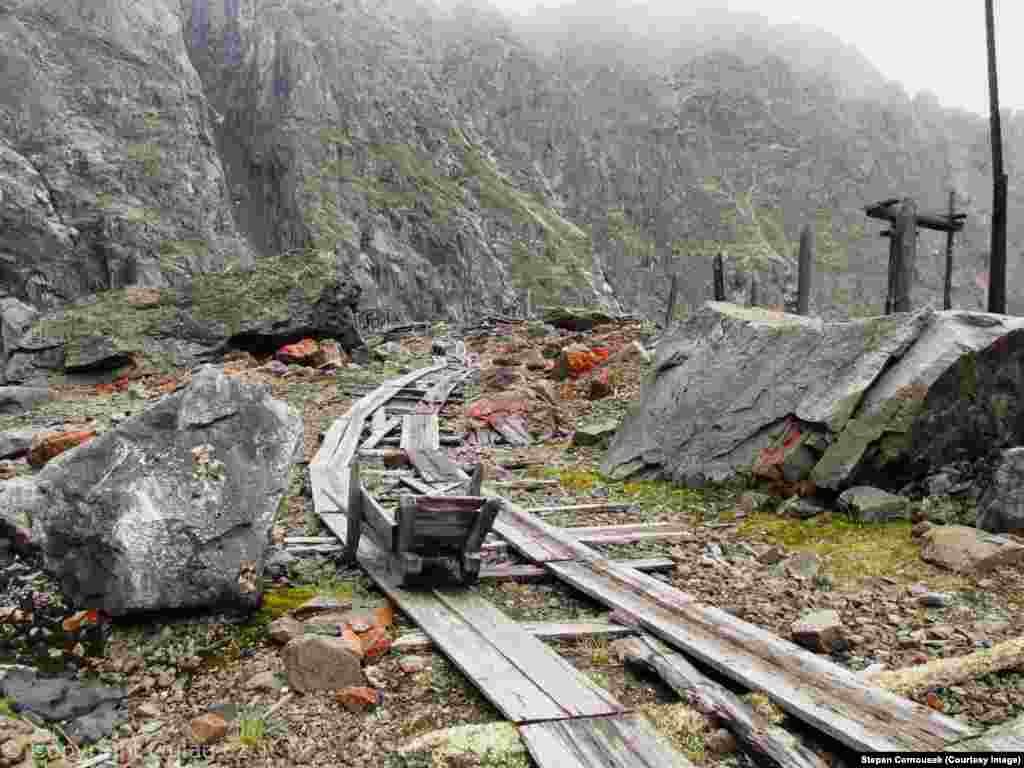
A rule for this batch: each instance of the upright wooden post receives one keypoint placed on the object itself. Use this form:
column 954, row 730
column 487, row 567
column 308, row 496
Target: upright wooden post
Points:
column 894, row 260
column 947, row 290
column 672, row 292
column 529, row 304
column 803, row 297
column 719, row 278
column 753, row 289
column 354, row 513
column 997, row 258
column 905, row 237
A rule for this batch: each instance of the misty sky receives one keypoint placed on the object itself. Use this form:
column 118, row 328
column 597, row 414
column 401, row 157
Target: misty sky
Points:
column 923, row 44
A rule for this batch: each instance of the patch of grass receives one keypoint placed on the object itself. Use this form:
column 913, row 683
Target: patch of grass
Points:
column 684, row 726
column 600, row 678
column 851, row 551
column 597, row 650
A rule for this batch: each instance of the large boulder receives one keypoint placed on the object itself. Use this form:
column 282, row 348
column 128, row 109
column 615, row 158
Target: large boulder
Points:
column 876, row 401
column 173, row 508
column 1001, row 507
column 280, row 301
column 15, row 318
column 15, row 400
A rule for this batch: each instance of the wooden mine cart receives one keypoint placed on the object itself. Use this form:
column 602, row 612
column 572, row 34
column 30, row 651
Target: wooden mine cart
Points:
column 427, row 529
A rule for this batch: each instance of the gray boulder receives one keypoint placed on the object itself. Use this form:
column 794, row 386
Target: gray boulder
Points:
column 16, row 442
column 173, row 508
column 15, row 319
column 15, row 400
column 1001, row 507
column 876, row 401
column 20, row 504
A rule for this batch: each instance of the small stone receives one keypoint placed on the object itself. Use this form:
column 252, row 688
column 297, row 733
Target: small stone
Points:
column 410, row 665
column 148, row 710
column 13, row 749
column 772, row 556
column 165, row 679
column 264, row 681
column 358, row 698
column 208, row 728
column 285, row 629
column 375, row 643
column 935, row 599
column 873, row 505
column 921, row 530
column 821, row 632
column 314, row 662
column 721, row 742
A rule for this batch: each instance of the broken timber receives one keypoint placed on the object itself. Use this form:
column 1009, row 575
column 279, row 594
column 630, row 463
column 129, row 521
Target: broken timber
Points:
column 417, row 641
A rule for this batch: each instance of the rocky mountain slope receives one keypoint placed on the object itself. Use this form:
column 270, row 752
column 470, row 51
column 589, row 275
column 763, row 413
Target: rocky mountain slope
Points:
column 455, row 159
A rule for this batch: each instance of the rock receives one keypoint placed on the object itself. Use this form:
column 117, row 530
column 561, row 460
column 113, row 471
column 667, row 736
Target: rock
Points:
column 149, row 710
column 804, row 565
column 496, row 379
column 277, row 564
column 498, row 743
column 21, row 505
column 358, row 699
column 535, row 361
column 15, row 400
column 300, row 353
column 632, row 352
column 16, row 442
column 888, row 391
column 51, row 444
column 873, row 505
column 208, row 728
column 96, row 353
column 772, row 556
column 600, row 387
column 285, row 629
column 576, row 319
column 968, row 550
column 411, row 665
column 265, row 681
column 188, row 495
column 15, row 318
column 596, row 433
column 97, row 724
column 1001, row 506
column 821, row 632
column 329, row 355
column 317, row 663
column 55, row 699
column 572, row 360
column 935, row 600
column 751, row 502
column 721, row 742
column 920, row 530
column 375, row 643
column 938, row 484
column 802, row 508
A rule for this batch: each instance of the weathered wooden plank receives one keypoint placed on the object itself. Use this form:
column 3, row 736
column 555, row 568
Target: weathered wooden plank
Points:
column 811, row 688
column 310, row 540
column 434, row 466
column 417, row 485
column 767, row 744
column 308, row 549
column 331, row 440
column 625, row 534
column 325, row 477
column 380, row 432
column 623, row 741
column 533, row 538
column 417, row 641
column 378, row 419
column 500, row 678
column 440, row 392
column 575, row 693
column 380, row 520
column 420, row 432
column 539, row 573
column 524, row 483
column 580, row 508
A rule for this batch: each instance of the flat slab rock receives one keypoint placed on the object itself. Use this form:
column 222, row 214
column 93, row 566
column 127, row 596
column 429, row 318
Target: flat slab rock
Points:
column 964, row 549
column 873, row 505
column 885, row 398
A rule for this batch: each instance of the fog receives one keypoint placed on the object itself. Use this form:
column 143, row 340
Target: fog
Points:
column 913, row 42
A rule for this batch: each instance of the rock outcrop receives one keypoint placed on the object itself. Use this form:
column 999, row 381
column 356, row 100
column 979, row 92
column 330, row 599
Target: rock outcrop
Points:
column 173, row 507
column 875, row 402
column 1001, row 507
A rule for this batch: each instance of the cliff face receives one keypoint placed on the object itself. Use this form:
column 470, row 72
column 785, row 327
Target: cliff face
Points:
column 455, row 160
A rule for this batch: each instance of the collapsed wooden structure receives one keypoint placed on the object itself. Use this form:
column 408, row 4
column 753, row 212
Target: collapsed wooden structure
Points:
column 564, row 718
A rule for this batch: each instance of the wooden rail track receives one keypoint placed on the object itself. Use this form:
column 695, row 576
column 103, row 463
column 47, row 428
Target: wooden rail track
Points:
column 564, row 719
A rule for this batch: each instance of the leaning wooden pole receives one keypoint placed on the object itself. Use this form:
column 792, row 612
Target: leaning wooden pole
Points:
column 947, row 289
column 804, row 277
column 905, row 237
column 997, row 259
column 672, row 293
column 719, row 278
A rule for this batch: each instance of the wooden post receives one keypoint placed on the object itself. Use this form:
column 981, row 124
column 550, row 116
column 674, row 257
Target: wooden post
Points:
column 476, row 481
column 905, row 238
column 753, row 289
column 719, row 278
column 529, row 304
column 997, row 258
column 947, row 291
column 671, row 301
column 354, row 513
column 803, row 298
column 894, row 260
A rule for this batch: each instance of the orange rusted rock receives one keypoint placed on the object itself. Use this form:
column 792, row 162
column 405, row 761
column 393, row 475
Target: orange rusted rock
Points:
column 45, row 447
column 303, row 352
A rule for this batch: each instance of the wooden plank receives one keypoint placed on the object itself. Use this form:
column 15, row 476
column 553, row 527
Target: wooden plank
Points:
column 331, row 440
column 624, row 741
column 310, row 540
column 439, row 393
column 538, row 573
column 378, row 419
column 575, row 693
column 420, row 432
column 309, row 549
column 417, row 641
column 524, row 483
column 380, row 520
column 379, row 433
column 765, row 743
column 533, row 538
column 434, row 466
column 811, row 688
column 417, row 485
column 624, row 534
column 580, row 508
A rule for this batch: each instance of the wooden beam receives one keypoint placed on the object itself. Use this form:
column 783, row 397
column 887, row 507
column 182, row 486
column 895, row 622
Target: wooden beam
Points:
column 380, row 432
column 417, row 641
column 420, row 432
column 538, row 573
column 889, row 211
column 601, row 742
column 905, row 238
column 766, row 743
column 580, row 508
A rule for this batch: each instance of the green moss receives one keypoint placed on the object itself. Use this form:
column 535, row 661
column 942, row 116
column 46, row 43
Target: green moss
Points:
column 278, row 601
column 1000, row 405
column 147, row 156
column 967, row 368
